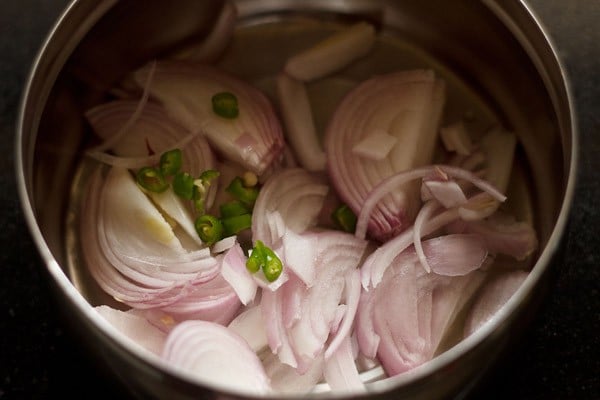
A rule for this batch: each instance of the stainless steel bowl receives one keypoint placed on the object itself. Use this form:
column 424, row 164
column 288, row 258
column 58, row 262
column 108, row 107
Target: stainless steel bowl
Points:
column 492, row 50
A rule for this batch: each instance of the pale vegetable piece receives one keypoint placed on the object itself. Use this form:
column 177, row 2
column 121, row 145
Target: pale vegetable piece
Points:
column 455, row 137
column 137, row 329
column 376, row 146
column 333, row 53
column 498, row 145
column 299, row 123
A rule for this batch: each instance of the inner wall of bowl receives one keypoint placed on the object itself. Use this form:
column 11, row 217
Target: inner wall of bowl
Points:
column 464, row 40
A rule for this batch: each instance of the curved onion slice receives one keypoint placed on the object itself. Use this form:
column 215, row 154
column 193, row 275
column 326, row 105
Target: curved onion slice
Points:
column 136, row 328
column 296, row 196
column 132, row 255
column 406, row 105
column 503, row 234
column 216, row 356
column 407, row 316
column 340, row 370
column 253, row 139
column 235, row 272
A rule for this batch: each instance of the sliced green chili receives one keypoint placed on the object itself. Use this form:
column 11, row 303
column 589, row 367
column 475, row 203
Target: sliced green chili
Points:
column 264, row 258
column 344, row 218
column 209, row 175
column 170, row 162
column 209, row 228
column 234, row 225
column 256, row 259
column 234, row 208
column 183, row 185
column 225, row 105
column 200, row 190
column 272, row 267
column 151, row 179
column 246, row 195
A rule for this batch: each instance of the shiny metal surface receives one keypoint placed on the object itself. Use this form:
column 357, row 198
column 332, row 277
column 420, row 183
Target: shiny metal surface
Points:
column 501, row 53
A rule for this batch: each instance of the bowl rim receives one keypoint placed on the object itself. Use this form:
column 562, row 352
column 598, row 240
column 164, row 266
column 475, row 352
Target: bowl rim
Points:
column 110, row 333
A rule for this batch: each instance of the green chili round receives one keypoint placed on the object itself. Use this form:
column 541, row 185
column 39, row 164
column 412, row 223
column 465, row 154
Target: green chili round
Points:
column 234, row 208
column 257, row 257
column 272, row 267
column 151, row 179
column 344, row 218
column 183, row 185
column 234, row 225
column 170, row 162
column 264, row 258
column 225, row 105
column 246, row 195
column 209, row 229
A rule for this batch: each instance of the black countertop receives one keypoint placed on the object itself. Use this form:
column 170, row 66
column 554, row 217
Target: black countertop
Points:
column 556, row 359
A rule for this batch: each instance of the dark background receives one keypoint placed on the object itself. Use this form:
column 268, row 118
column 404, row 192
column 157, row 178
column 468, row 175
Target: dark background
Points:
column 557, row 357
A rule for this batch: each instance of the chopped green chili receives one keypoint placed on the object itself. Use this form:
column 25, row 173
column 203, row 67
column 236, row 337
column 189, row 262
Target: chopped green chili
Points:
column 200, row 190
column 344, row 218
column 256, row 259
column 246, row 195
column 273, row 267
column 151, row 179
column 183, row 185
column 209, row 229
column 225, row 105
column 170, row 162
column 234, row 225
column 234, row 208
column 209, row 175
column 264, row 258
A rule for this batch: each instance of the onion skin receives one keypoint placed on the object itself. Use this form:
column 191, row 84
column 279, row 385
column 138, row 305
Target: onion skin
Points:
column 254, row 139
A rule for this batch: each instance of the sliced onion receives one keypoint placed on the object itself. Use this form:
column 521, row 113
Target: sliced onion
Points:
column 289, row 200
column 300, row 127
column 235, row 273
column 340, row 370
column 333, row 53
column 410, row 313
column 250, row 325
column 136, row 328
column 164, row 277
column 286, row 379
column 301, row 319
column 253, row 139
column 406, row 105
column 216, row 356
column 504, row 235
column 391, row 183
column 153, row 131
column 498, row 145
